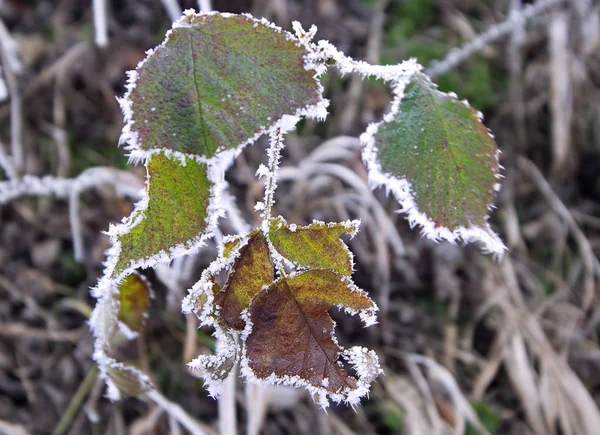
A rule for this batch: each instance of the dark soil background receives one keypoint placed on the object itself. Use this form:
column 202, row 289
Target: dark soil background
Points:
column 468, row 345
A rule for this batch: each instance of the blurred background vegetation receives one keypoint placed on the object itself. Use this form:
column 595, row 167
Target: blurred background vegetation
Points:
column 468, row 345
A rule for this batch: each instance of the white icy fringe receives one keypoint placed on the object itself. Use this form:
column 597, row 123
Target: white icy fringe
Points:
column 216, row 368
column 402, row 190
column 363, row 361
column 323, row 51
column 200, row 301
column 103, row 323
column 108, row 284
column 287, row 122
column 351, row 226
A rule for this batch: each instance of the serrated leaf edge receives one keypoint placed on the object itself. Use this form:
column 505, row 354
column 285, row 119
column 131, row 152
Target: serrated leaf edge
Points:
column 226, row 348
column 286, row 122
column 321, row 396
column 402, row 188
column 352, row 227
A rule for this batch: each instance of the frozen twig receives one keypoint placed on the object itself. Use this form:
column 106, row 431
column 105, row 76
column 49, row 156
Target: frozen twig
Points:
column 173, row 9
column 274, row 152
column 12, row 66
column 459, row 55
column 180, row 414
column 126, row 184
column 100, row 23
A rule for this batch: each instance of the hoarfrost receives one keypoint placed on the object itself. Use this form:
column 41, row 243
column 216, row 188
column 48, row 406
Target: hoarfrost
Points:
column 402, row 191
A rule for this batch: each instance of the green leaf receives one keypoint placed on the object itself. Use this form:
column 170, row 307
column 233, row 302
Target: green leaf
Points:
column 175, row 218
column 134, row 294
column 316, row 246
column 440, row 162
column 292, row 335
column 217, row 82
column 251, row 271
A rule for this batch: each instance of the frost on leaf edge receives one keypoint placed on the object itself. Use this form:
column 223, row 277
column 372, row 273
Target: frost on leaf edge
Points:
column 215, row 175
column 352, row 228
column 356, row 356
column 208, row 314
column 287, row 122
column 103, row 315
column 104, row 324
column 402, row 190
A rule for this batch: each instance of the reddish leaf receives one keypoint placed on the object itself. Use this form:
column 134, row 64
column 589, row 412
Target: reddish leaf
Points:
column 292, row 334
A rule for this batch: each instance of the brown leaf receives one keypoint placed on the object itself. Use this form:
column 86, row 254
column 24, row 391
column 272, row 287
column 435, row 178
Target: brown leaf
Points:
column 293, row 335
column 251, row 271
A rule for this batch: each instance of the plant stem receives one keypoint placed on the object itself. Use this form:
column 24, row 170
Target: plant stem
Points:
column 76, row 402
column 274, row 152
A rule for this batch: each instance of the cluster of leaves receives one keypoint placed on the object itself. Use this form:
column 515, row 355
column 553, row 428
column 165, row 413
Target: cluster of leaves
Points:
column 216, row 84
column 286, row 333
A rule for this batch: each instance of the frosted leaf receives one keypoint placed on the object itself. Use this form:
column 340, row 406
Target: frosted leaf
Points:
column 251, row 271
column 175, row 217
column 439, row 161
column 289, row 337
column 314, row 246
column 217, row 82
column 216, row 368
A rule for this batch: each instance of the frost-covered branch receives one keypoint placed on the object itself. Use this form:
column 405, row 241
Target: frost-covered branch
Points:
column 126, row 184
column 324, row 51
column 459, row 55
column 274, row 153
column 29, row 185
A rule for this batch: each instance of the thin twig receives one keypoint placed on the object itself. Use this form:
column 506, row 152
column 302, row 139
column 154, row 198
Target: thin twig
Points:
column 274, row 152
column 13, row 67
column 172, row 8
column 100, row 23
column 459, row 55
column 187, row 421
column 76, row 401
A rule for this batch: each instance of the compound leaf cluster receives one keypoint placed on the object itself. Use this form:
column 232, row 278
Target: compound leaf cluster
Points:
column 217, row 83
column 286, row 332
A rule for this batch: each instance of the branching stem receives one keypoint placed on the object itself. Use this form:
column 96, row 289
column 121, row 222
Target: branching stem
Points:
column 274, row 153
